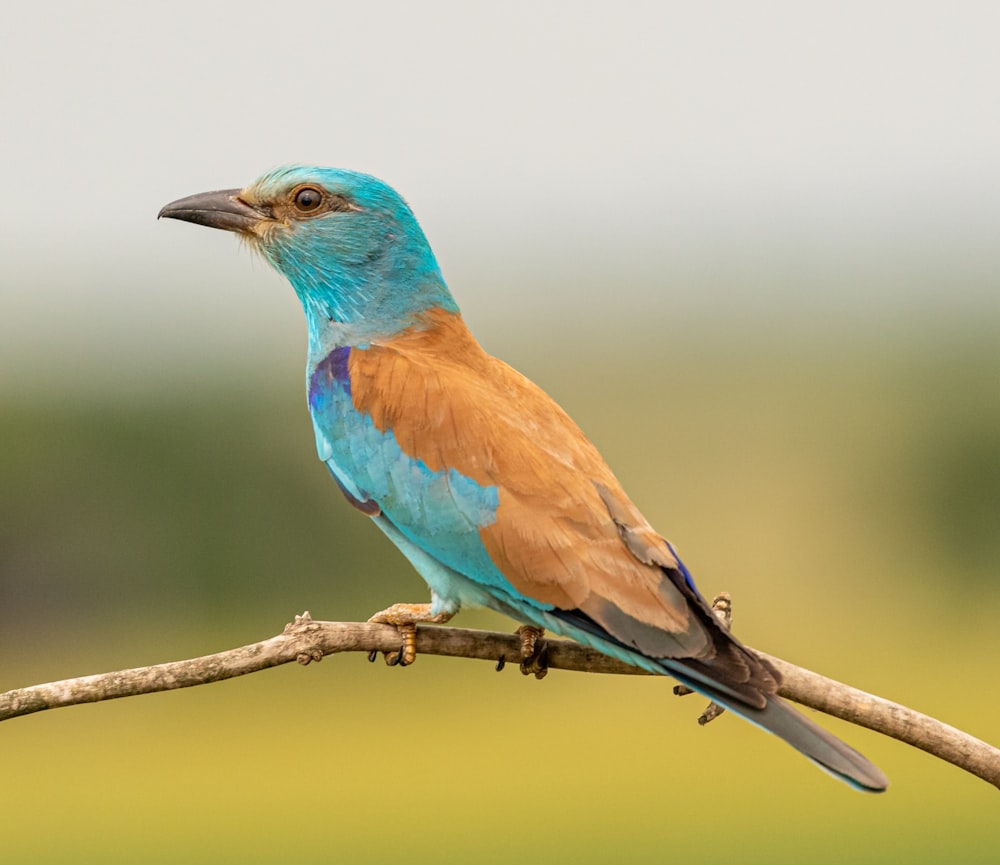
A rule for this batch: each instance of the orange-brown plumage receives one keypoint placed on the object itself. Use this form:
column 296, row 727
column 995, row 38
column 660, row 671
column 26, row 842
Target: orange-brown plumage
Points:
column 565, row 534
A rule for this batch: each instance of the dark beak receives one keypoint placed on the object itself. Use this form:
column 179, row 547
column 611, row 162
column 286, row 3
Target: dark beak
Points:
column 223, row 209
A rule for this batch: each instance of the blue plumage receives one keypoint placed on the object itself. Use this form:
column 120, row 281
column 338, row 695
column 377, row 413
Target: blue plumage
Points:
column 483, row 482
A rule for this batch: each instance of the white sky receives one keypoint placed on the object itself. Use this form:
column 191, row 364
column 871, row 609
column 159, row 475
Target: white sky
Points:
column 568, row 160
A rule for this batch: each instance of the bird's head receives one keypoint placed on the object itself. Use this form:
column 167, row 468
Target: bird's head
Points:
column 348, row 243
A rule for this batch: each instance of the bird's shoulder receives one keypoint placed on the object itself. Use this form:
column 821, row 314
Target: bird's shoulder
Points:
column 452, row 405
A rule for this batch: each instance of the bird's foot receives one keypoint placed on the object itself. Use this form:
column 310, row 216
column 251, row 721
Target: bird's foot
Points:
column 533, row 651
column 722, row 606
column 405, row 617
column 712, row 710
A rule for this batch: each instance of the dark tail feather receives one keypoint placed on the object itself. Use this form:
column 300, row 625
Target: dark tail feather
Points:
column 806, row 737
column 738, row 680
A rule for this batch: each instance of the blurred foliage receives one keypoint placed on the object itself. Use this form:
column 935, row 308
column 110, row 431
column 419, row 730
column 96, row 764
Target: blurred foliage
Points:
column 848, row 495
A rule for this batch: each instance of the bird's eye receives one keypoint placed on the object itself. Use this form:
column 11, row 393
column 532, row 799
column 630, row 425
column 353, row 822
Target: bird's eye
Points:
column 307, row 199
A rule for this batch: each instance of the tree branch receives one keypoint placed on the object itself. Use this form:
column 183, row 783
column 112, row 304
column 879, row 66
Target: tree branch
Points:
column 306, row 640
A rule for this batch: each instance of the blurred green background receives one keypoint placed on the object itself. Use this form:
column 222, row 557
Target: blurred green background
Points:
column 849, row 504
column 754, row 256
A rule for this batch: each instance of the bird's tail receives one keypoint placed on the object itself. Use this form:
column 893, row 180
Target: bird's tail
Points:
column 806, row 737
column 738, row 680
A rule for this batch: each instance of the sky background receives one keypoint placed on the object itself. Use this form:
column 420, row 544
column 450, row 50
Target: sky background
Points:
column 752, row 248
column 584, row 164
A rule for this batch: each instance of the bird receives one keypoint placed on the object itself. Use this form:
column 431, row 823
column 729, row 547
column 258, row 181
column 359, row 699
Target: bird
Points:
column 481, row 479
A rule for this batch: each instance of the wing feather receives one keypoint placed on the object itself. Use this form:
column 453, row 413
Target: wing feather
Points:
column 565, row 532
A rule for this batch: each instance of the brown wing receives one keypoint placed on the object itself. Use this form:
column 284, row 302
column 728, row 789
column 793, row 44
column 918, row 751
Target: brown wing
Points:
column 565, row 533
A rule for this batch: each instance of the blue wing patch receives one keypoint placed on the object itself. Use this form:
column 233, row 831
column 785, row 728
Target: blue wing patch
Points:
column 438, row 513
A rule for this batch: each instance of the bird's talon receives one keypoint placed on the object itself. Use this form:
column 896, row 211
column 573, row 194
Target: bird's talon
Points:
column 712, row 711
column 501, row 663
column 408, row 653
column 533, row 651
column 372, row 655
column 722, row 606
column 405, row 618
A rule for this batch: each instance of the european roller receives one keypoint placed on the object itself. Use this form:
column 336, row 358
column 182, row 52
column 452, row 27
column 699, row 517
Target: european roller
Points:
column 476, row 474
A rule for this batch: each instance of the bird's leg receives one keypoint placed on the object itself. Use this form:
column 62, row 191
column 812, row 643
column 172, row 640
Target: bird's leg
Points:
column 533, row 651
column 405, row 617
column 722, row 606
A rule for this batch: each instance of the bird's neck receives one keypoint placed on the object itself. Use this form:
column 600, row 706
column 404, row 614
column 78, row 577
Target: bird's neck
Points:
column 359, row 314
column 355, row 287
column 436, row 335
column 356, row 308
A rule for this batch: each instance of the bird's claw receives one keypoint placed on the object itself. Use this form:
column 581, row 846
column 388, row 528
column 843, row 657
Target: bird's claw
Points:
column 534, row 650
column 712, row 711
column 407, row 653
column 722, row 606
column 405, row 618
